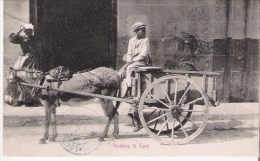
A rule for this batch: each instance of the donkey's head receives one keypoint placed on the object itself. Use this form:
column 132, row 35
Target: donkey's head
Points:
column 17, row 94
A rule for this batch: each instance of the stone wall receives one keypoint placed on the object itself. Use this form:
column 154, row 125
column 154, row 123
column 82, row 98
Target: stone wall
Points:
column 206, row 20
column 212, row 21
column 16, row 13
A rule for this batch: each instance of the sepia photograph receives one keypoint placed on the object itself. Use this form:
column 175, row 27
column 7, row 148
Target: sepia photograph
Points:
column 130, row 78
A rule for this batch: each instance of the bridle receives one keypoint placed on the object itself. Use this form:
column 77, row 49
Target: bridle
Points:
column 13, row 74
column 55, row 75
column 13, row 78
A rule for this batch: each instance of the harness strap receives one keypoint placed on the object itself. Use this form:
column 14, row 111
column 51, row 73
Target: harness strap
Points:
column 35, row 90
column 27, row 96
column 93, row 83
column 81, row 71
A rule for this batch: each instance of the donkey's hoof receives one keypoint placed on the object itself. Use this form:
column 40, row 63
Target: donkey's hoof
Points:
column 101, row 139
column 42, row 141
column 51, row 139
column 113, row 136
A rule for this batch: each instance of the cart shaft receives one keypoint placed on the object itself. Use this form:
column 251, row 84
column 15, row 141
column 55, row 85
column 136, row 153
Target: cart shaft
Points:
column 81, row 93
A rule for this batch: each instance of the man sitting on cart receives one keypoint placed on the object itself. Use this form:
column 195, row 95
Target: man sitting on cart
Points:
column 138, row 55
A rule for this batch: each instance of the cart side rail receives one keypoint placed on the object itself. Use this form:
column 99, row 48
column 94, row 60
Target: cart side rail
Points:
column 206, row 80
column 159, row 69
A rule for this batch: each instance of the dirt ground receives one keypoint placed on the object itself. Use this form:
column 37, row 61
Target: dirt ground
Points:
column 72, row 140
column 229, row 132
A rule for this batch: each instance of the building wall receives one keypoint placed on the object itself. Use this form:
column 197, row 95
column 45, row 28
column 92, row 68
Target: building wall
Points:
column 205, row 19
column 16, row 13
column 223, row 29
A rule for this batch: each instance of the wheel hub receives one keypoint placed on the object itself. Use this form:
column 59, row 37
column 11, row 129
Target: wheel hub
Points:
column 175, row 111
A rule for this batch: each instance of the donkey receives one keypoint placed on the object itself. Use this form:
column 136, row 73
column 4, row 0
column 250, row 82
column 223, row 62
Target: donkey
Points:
column 102, row 80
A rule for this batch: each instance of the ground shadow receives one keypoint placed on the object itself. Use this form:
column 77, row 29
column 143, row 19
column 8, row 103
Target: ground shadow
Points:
column 64, row 138
column 217, row 131
column 224, row 135
column 130, row 136
column 225, row 131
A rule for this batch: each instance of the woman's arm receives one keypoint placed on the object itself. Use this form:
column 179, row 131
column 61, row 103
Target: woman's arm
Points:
column 16, row 38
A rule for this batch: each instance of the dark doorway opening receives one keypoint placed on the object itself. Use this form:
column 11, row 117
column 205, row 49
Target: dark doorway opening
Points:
column 81, row 33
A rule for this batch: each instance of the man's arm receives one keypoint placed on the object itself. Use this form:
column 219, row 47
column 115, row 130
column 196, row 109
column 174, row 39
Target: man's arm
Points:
column 129, row 51
column 144, row 51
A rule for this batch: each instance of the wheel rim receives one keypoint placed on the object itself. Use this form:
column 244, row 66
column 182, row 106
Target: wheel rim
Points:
column 173, row 110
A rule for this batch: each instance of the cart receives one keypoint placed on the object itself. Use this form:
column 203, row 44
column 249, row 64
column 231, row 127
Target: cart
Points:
column 173, row 106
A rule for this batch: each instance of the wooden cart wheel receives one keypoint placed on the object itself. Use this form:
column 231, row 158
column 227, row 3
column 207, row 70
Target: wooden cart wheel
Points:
column 174, row 110
column 186, row 116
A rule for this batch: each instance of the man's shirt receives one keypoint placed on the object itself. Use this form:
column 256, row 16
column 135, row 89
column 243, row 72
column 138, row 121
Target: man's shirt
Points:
column 138, row 50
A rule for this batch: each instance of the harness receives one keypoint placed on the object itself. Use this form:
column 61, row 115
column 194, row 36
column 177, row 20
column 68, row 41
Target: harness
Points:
column 48, row 88
column 96, row 81
column 91, row 83
column 41, row 77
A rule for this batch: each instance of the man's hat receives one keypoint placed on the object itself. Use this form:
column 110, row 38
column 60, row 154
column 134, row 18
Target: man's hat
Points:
column 138, row 25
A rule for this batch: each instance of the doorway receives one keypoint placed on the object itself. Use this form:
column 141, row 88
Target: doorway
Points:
column 81, row 33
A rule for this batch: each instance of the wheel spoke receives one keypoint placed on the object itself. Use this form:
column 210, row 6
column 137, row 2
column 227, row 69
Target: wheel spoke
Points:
column 198, row 99
column 149, row 115
column 156, row 121
column 173, row 122
column 184, row 94
column 166, row 94
column 160, row 101
column 183, row 128
column 156, row 118
column 175, row 93
column 165, row 119
column 188, row 119
column 192, row 111
column 163, row 126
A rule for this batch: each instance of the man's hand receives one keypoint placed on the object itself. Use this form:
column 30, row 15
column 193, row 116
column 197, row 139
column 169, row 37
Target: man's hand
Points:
column 130, row 62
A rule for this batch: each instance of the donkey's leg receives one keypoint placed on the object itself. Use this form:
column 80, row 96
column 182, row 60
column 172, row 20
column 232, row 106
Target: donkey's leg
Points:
column 47, row 109
column 105, row 107
column 115, row 133
column 53, row 135
column 137, row 122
